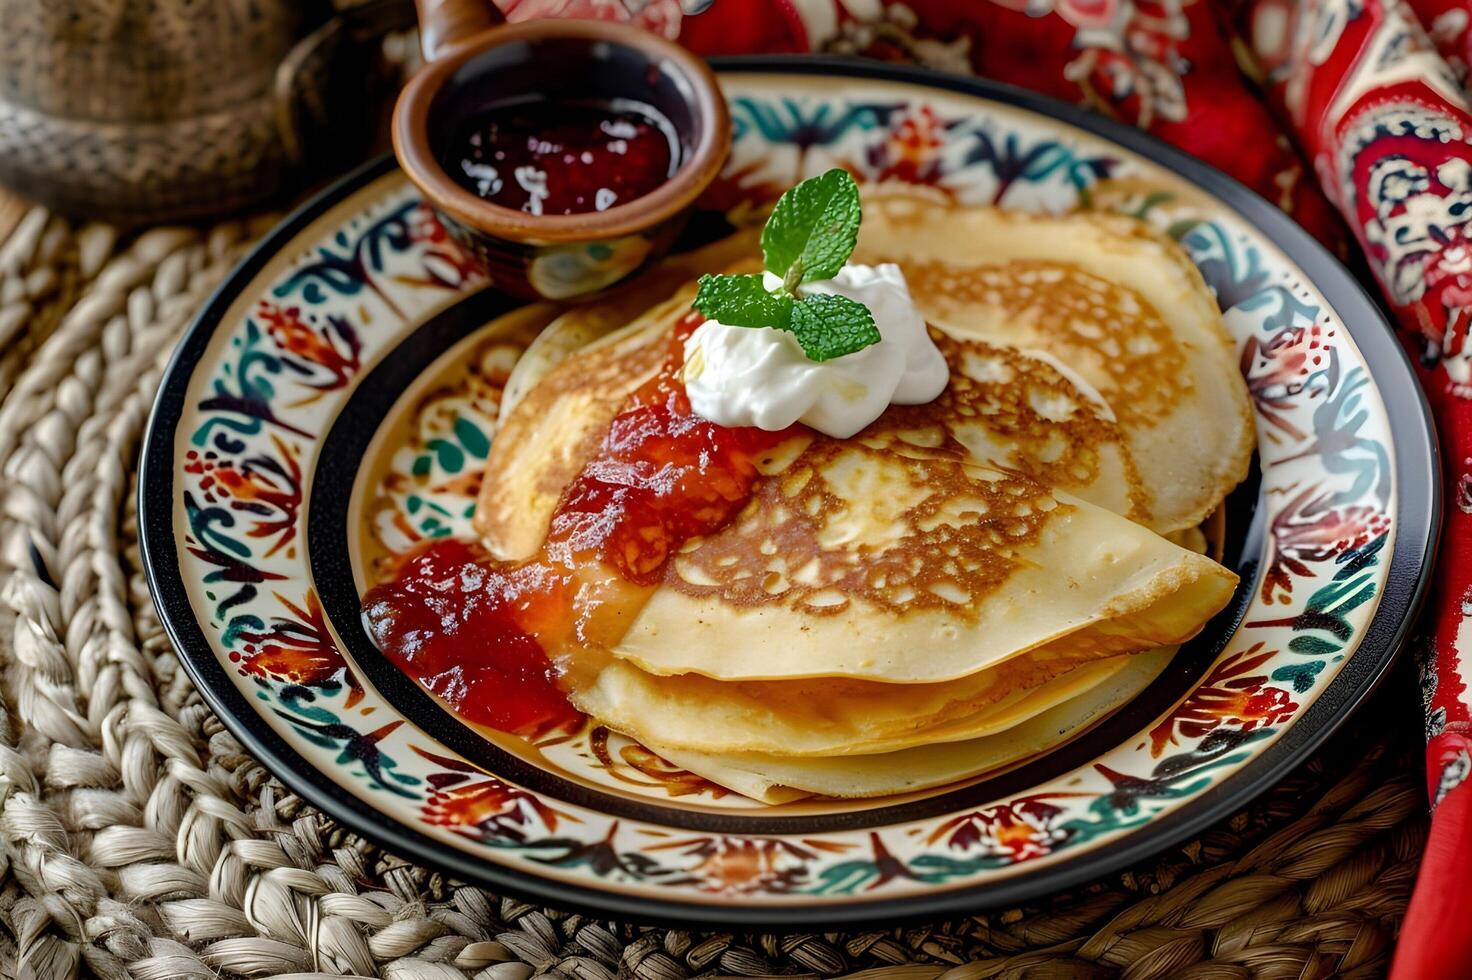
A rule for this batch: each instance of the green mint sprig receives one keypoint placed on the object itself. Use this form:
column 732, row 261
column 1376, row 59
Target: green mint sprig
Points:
column 810, row 235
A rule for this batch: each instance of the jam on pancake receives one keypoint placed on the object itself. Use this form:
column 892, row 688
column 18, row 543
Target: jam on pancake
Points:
column 490, row 638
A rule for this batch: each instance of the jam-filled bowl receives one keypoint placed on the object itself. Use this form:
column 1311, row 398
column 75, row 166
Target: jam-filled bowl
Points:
column 562, row 155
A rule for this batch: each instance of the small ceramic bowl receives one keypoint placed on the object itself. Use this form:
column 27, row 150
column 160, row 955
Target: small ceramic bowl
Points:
column 557, row 256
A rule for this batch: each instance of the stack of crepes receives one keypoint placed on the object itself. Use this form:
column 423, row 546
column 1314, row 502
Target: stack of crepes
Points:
column 964, row 584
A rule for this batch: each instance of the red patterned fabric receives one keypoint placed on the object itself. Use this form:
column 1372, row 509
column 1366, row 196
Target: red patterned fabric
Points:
column 1162, row 65
column 1354, row 106
column 1449, row 23
column 1386, row 126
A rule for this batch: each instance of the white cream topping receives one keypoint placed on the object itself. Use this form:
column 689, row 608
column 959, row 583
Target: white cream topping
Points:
column 744, row 376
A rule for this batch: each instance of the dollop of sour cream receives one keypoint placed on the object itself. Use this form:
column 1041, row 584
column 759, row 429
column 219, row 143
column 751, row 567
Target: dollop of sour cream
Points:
column 739, row 376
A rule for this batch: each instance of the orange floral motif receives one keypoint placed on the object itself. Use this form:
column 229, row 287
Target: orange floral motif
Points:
column 468, row 798
column 298, row 650
column 1230, row 695
column 1022, row 829
column 484, row 802
column 266, row 486
column 911, row 152
column 331, row 348
column 746, row 865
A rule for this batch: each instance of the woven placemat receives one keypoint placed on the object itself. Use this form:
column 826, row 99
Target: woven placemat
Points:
column 140, row 840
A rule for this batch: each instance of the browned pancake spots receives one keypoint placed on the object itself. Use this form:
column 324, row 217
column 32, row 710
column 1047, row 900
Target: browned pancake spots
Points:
column 1109, row 333
column 897, row 517
column 1053, row 431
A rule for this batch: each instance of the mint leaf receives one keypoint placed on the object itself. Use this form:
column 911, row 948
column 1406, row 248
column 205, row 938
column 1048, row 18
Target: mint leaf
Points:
column 742, row 301
column 813, row 229
column 809, row 237
column 829, row 326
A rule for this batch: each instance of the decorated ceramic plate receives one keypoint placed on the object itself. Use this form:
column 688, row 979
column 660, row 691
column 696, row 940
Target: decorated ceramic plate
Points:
column 335, row 403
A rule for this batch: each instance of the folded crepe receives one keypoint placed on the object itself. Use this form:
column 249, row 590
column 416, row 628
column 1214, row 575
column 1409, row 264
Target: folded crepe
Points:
column 962, row 584
column 1021, row 726
column 873, row 559
column 826, row 716
column 1117, row 301
column 1102, row 688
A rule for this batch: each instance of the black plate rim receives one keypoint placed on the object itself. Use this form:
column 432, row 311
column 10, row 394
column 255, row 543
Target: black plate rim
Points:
column 1417, row 523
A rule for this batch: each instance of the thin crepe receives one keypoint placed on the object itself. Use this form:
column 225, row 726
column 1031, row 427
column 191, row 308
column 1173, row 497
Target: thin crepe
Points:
column 853, row 555
column 821, row 716
column 883, row 563
column 1118, row 302
column 779, row 779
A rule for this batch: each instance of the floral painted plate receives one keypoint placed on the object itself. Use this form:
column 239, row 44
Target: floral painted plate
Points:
column 336, row 399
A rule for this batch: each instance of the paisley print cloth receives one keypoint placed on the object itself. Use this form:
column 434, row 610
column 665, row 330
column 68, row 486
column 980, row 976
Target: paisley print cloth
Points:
column 1351, row 115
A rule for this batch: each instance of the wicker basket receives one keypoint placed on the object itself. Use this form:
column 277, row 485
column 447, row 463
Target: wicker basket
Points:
column 154, row 110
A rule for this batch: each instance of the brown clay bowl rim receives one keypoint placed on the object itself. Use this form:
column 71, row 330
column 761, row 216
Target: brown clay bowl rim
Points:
column 413, row 149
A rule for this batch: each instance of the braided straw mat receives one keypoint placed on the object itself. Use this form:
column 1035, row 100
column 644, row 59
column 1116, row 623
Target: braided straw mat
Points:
column 138, row 839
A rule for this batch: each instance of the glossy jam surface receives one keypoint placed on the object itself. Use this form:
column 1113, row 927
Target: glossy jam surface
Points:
column 492, row 639
column 563, row 157
column 447, row 620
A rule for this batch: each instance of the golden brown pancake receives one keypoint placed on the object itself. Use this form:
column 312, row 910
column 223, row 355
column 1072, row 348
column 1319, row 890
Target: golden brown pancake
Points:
column 1011, row 408
column 853, row 555
column 780, row 779
column 901, row 519
column 955, row 570
column 1020, row 410
column 1107, row 295
column 874, row 591
column 816, row 716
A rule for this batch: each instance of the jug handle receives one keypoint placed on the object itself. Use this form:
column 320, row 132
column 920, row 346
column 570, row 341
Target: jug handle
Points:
column 365, row 23
column 444, row 23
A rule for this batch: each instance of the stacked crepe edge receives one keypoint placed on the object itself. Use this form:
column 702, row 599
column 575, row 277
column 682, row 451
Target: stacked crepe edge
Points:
column 1003, row 732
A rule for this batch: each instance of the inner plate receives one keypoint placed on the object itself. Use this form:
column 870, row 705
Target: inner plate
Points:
column 338, row 396
column 416, row 431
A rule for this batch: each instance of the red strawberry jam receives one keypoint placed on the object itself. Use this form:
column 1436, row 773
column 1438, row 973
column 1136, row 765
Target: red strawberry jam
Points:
column 492, row 639
column 564, row 157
